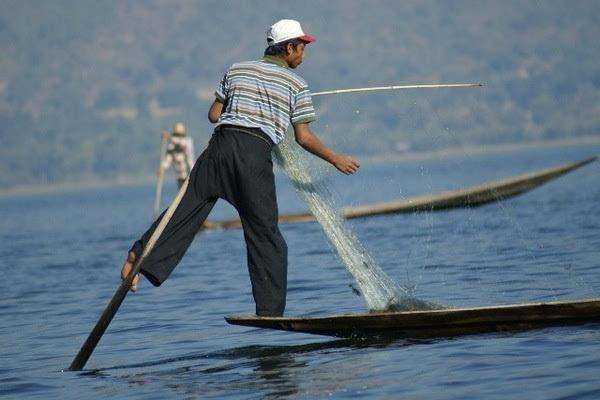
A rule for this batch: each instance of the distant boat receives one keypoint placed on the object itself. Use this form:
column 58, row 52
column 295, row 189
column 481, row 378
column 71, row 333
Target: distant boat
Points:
column 471, row 197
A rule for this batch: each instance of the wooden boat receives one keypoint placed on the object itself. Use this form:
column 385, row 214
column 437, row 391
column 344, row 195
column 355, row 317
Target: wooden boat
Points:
column 470, row 197
column 436, row 323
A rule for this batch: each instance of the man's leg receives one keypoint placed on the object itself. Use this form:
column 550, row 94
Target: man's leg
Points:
column 267, row 264
column 266, row 248
column 248, row 183
column 179, row 233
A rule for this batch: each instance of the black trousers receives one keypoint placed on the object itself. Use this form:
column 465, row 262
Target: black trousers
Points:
column 237, row 167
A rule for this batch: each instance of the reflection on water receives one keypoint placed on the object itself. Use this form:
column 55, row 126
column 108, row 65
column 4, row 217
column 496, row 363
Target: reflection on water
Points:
column 273, row 371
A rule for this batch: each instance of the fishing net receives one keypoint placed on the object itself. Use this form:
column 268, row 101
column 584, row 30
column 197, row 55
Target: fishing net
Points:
column 379, row 291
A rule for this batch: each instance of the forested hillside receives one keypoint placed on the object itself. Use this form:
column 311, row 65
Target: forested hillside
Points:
column 87, row 86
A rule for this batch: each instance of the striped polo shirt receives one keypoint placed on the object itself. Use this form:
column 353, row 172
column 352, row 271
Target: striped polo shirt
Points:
column 264, row 94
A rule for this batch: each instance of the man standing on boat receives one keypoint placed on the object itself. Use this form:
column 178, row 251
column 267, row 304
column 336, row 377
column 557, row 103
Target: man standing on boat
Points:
column 255, row 103
column 180, row 153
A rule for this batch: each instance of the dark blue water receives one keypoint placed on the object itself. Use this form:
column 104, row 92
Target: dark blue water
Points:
column 61, row 254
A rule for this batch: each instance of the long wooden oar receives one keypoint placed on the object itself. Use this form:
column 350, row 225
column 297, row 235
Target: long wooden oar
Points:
column 161, row 175
column 113, row 306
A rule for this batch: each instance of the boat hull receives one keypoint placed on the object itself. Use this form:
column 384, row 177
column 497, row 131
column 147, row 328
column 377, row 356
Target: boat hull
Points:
column 436, row 323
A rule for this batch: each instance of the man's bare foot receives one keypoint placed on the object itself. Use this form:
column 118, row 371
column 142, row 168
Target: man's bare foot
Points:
column 127, row 269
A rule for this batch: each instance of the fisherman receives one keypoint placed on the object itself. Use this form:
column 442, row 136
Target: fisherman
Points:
column 255, row 103
column 180, row 153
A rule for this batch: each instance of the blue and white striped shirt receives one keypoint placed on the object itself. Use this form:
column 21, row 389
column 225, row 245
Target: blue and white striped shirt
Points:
column 264, row 94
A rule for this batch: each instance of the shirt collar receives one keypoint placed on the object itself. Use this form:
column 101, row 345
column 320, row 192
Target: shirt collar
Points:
column 275, row 60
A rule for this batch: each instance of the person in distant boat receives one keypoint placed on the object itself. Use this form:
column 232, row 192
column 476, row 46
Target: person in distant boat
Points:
column 255, row 104
column 180, row 153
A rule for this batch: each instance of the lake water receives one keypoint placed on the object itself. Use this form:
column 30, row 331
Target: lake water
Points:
column 61, row 255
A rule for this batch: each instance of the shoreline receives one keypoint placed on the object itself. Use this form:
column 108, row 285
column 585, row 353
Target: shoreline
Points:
column 65, row 187
column 484, row 149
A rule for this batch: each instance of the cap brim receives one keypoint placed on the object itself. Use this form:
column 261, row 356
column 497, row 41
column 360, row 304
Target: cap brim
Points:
column 307, row 38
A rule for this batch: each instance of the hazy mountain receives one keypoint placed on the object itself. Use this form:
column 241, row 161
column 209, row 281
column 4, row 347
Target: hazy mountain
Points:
column 87, row 86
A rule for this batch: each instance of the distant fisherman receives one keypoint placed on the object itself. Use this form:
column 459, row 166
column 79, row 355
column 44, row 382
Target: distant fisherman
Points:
column 255, row 103
column 180, row 153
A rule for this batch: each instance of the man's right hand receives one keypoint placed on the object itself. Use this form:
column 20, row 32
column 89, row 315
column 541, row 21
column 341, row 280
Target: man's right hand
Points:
column 346, row 164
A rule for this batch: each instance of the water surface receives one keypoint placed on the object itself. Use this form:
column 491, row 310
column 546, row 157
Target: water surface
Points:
column 61, row 256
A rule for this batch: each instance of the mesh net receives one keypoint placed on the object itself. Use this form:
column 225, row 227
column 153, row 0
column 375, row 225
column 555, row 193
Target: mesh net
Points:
column 379, row 291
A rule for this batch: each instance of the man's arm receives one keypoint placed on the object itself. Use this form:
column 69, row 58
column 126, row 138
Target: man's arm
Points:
column 215, row 111
column 311, row 143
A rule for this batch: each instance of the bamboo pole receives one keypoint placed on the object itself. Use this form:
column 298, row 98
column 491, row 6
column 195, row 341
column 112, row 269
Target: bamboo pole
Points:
column 399, row 87
column 113, row 306
column 161, row 175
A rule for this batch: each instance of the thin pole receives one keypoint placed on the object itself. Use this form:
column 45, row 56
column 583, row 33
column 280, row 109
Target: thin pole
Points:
column 161, row 175
column 400, row 87
column 113, row 306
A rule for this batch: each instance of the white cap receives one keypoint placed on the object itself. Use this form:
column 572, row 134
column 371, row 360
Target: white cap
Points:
column 287, row 29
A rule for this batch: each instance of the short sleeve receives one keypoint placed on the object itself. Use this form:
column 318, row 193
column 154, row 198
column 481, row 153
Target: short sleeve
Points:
column 303, row 110
column 223, row 89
